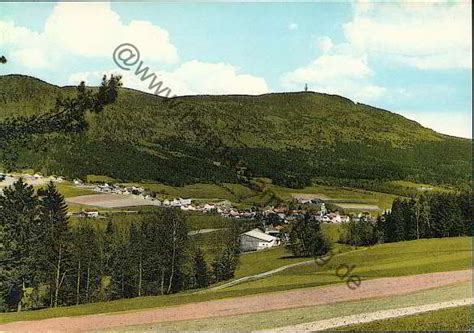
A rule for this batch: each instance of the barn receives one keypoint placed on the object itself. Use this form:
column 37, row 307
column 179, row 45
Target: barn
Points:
column 255, row 240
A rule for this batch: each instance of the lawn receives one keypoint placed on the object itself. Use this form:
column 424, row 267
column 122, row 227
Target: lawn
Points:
column 452, row 319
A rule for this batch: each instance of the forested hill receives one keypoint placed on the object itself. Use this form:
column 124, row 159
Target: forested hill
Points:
column 293, row 138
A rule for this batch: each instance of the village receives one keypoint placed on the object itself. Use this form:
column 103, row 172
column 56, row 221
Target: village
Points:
column 271, row 234
column 273, row 219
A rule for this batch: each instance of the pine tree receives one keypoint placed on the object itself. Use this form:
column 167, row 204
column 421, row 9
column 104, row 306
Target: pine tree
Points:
column 306, row 238
column 201, row 273
column 19, row 221
column 56, row 239
column 86, row 261
column 137, row 252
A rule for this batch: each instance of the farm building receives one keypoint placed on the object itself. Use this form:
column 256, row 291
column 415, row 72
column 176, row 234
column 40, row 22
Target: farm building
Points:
column 255, row 240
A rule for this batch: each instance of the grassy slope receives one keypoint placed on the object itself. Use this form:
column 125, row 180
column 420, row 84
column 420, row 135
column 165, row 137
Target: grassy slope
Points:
column 205, row 138
column 272, row 319
column 395, row 259
column 454, row 319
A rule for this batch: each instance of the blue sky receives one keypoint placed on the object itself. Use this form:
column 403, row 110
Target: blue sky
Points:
column 413, row 59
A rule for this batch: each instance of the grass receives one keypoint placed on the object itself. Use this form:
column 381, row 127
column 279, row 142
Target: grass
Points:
column 280, row 318
column 452, row 319
column 195, row 191
column 332, row 231
column 199, row 221
column 100, row 179
column 266, row 260
column 417, row 186
column 396, row 259
column 69, row 190
column 335, row 194
column 253, row 263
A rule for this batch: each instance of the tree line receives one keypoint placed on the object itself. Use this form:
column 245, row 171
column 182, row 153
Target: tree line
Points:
column 435, row 215
column 47, row 262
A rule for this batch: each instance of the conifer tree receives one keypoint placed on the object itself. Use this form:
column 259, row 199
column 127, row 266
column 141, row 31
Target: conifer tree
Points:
column 19, row 221
column 56, row 239
column 201, row 272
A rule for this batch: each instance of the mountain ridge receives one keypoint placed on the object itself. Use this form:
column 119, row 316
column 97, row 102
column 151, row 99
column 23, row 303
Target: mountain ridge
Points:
column 293, row 138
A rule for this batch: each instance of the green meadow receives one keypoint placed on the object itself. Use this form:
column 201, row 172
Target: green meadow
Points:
column 452, row 319
column 385, row 260
column 393, row 259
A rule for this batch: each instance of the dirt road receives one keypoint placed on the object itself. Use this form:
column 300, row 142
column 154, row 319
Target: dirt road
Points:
column 323, row 325
column 375, row 288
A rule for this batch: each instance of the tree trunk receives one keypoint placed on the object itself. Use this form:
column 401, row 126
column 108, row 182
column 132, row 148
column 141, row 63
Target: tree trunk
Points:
column 140, row 272
column 19, row 305
column 87, row 281
column 58, row 275
column 78, row 282
column 122, row 287
column 162, row 281
column 172, row 259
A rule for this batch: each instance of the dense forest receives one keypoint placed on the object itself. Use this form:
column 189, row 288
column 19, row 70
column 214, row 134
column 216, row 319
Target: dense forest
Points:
column 45, row 261
column 293, row 138
column 434, row 215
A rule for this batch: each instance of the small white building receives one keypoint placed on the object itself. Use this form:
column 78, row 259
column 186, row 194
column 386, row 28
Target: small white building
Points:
column 255, row 240
column 184, row 202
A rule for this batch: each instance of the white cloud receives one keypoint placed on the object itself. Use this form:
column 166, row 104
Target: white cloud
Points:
column 325, row 44
column 34, row 58
column 341, row 74
column 424, row 35
column 190, row 78
column 452, row 123
column 85, row 29
column 293, row 26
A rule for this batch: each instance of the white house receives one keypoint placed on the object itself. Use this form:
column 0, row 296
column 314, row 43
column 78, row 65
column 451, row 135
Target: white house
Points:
column 255, row 240
column 184, row 202
column 175, row 203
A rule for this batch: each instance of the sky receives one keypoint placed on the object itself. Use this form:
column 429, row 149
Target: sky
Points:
column 413, row 58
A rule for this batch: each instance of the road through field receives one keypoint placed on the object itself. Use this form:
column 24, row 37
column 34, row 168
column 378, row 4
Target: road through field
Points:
column 375, row 288
column 323, row 325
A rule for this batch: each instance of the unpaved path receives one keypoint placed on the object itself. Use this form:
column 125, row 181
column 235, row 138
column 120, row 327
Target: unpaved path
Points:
column 327, row 324
column 272, row 272
column 257, row 276
column 382, row 287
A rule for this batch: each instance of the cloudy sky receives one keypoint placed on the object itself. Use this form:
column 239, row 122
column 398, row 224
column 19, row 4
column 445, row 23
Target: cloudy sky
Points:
column 410, row 58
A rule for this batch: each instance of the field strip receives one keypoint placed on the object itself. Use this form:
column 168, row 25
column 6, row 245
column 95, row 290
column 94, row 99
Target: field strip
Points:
column 268, row 273
column 368, row 317
column 370, row 289
column 257, row 276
